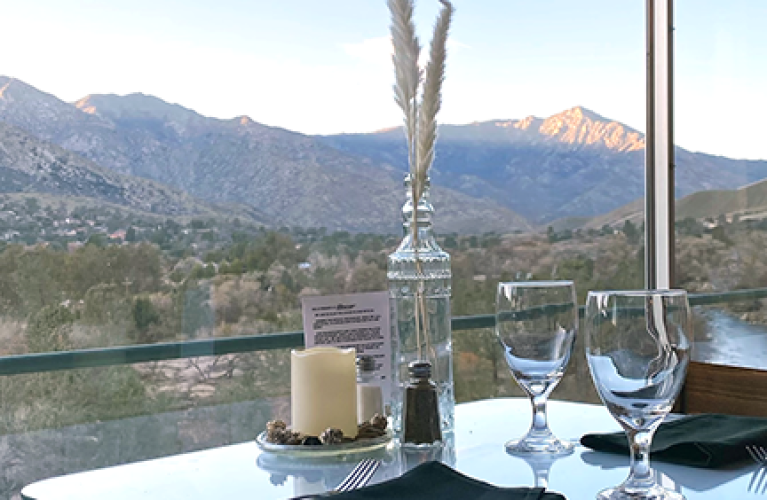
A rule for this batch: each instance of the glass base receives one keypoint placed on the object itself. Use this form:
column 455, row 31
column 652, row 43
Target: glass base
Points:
column 532, row 445
column 656, row 492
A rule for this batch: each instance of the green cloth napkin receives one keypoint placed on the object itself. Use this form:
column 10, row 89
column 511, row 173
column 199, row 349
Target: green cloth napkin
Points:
column 708, row 440
column 437, row 481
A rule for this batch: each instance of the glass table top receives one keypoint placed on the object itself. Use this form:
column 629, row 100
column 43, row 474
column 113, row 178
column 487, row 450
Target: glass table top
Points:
column 476, row 449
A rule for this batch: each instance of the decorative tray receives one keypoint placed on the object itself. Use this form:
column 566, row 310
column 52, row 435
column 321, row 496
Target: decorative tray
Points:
column 325, row 450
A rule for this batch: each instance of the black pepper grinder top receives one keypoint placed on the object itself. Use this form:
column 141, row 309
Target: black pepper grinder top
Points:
column 421, row 423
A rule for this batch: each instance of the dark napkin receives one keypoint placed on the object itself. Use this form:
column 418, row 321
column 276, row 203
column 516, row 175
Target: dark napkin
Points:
column 710, row 440
column 437, row 481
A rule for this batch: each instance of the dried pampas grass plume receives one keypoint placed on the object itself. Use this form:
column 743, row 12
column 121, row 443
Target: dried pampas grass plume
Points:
column 406, row 70
column 420, row 116
column 432, row 97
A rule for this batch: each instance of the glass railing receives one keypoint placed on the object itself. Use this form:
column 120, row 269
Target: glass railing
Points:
column 122, row 355
column 64, row 412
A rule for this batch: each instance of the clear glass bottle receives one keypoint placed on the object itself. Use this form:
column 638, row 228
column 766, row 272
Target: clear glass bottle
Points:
column 419, row 289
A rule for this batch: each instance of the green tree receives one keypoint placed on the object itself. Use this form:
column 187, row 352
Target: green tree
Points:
column 581, row 271
column 368, row 278
column 719, row 233
column 38, row 278
column 144, row 314
column 106, row 304
column 689, row 226
column 450, row 243
column 97, row 239
column 551, row 235
column 50, row 329
column 631, row 232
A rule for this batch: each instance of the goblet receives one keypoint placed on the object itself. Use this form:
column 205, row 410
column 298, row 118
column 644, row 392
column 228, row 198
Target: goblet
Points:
column 638, row 349
column 536, row 323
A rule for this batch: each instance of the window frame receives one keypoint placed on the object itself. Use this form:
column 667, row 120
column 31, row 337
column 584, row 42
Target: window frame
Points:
column 659, row 146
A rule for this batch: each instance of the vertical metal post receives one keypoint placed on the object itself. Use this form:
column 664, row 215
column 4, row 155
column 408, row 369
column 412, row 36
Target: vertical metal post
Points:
column 659, row 151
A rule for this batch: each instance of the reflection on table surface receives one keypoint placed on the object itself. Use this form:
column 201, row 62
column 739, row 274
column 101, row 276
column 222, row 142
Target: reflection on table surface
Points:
column 476, row 449
column 313, row 476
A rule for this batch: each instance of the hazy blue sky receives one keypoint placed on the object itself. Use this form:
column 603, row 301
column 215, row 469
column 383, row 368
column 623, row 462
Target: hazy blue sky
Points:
column 324, row 66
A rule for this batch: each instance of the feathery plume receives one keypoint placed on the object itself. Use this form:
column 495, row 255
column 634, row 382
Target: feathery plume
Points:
column 407, row 72
column 431, row 101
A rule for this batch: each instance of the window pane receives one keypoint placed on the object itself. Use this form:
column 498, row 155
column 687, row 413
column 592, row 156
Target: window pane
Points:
column 574, row 169
column 720, row 171
column 126, row 219
column 67, row 421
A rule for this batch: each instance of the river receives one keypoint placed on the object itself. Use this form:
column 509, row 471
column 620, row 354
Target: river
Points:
column 732, row 342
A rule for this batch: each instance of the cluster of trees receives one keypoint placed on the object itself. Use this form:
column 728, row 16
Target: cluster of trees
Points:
column 252, row 282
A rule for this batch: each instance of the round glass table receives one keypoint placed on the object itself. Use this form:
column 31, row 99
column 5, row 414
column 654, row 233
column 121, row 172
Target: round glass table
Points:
column 476, row 449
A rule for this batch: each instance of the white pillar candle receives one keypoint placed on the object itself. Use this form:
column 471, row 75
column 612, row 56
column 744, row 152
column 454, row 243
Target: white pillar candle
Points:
column 323, row 390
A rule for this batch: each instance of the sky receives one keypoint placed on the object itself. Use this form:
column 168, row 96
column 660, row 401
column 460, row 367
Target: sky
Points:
column 323, row 67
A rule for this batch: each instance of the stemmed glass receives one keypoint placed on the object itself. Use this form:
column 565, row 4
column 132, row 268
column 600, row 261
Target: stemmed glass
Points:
column 638, row 349
column 536, row 323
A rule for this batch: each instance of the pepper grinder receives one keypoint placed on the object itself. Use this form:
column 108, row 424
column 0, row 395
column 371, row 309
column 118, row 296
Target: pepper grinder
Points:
column 420, row 420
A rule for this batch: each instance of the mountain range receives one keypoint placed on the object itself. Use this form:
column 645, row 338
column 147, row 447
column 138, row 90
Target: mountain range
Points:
column 292, row 179
column 502, row 175
column 575, row 163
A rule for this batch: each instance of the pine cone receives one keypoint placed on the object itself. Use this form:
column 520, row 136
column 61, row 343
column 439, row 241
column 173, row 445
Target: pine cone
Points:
column 366, row 430
column 293, row 438
column 379, row 421
column 275, row 431
column 332, row 436
column 276, row 424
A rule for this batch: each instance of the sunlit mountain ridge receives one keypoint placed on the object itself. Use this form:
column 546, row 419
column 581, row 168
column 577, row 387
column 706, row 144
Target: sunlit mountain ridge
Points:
column 576, row 163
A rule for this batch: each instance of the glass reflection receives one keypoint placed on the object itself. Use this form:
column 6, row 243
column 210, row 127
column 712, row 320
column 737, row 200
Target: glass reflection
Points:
column 311, row 476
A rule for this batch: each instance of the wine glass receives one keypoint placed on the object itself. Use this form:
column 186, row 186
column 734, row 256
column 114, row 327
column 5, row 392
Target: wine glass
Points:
column 638, row 349
column 536, row 323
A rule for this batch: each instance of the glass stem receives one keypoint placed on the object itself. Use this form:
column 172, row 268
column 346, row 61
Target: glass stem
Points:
column 641, row 476
column 540, row 423
column 542, row 478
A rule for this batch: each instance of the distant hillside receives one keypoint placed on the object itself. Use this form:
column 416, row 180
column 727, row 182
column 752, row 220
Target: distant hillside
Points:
column 746, row 201
column 633, row 212
column 29, row 165
column 572, row 164
column 291, row 178
column 568, row 223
